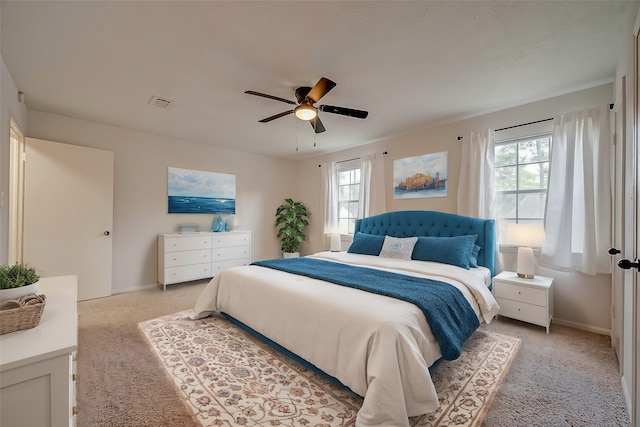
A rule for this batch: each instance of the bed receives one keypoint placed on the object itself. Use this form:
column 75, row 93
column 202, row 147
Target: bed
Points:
column 379, row 346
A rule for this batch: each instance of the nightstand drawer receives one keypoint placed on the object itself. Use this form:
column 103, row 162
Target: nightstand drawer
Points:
column 520, row 293
column 521, row 311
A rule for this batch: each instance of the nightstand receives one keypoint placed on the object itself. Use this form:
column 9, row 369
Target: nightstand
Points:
column 529, row 300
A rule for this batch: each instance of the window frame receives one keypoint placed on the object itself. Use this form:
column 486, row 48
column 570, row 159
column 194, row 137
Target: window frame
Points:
column 344, row 166
column 517, row 192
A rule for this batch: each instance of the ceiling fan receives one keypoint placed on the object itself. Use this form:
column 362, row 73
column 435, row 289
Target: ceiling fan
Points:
column 305, row 110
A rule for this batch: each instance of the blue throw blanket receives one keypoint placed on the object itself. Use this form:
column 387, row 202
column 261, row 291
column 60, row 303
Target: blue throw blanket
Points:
column 451, row 318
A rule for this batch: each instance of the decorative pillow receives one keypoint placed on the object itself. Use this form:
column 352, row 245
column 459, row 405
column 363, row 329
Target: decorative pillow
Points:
column 456, row 250
column 473, row 260
column 398, row 247
column 366, row 244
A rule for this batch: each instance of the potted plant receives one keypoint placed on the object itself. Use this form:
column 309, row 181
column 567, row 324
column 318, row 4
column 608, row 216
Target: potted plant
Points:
column 292, row 218
column 18, row 280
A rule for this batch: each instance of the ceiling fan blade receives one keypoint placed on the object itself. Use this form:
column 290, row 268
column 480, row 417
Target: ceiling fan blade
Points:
column 264, row 95
column 358, row 114
column 277, row 116
column 321, row 88
column 317, row 125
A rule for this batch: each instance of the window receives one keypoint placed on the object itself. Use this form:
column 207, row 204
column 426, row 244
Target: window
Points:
column 522, row 172
column 348, row 195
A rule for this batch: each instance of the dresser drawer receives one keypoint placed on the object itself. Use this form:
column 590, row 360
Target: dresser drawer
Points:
column 226, row 240
column 187, row 243
column 520, row 293
column 186, row 273
column 522, row 311
column 235, row 252
column 176, row 259
column 221, row 265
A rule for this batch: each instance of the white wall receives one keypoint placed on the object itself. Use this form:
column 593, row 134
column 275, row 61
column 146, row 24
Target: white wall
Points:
column 9, row 108
column 140, row 189
column 580, row 300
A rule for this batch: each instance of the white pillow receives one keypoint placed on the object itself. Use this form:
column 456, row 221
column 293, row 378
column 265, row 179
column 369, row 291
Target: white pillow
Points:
column 398, row 247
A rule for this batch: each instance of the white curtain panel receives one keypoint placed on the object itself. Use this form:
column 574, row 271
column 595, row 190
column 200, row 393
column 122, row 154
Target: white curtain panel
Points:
column 476, row 187
column 365, row 185
column 578, row 211
column 330, row 197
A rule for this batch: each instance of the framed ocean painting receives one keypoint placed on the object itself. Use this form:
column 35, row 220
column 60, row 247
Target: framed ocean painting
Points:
column 420, row 176
column 193, row 191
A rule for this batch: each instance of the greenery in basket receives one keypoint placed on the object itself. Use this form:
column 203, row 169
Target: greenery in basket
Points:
column 17, row 275
column 292, row 217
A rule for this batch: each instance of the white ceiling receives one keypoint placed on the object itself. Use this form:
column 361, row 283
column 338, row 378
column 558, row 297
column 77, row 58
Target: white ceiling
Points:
column 409, row 64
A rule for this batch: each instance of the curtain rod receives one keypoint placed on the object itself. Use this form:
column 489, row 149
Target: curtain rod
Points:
column 355, row 158
column 538, row 121
column 524, row 124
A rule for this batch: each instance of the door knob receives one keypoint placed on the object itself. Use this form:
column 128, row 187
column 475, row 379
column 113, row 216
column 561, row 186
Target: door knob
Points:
column 106, row 233
column 626, row 264
column 614, row 251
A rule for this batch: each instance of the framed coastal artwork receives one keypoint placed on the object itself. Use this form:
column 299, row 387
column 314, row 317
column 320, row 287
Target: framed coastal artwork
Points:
column 193, row 191
column 420, row 176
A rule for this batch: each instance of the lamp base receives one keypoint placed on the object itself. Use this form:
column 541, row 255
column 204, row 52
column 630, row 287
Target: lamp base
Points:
column 525, row 268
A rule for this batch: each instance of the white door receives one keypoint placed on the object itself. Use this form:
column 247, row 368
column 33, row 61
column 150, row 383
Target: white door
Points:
column 68, row 213
column 619, row 144
column 631, row 317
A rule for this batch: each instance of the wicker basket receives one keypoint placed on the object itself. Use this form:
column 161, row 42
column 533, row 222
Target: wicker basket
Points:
column 23, row 313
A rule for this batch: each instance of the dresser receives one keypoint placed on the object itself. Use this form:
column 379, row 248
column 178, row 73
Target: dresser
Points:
column 529, row 300
column 184, row 257
column 37, row 380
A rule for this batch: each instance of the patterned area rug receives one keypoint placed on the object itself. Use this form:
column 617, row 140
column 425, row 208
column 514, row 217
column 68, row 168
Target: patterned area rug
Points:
column 228, row 377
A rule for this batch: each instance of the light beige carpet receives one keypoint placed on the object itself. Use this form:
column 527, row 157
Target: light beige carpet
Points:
column 225, row 376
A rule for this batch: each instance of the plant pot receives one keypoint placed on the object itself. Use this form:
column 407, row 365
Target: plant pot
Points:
column 15, row 293
column 290, row 254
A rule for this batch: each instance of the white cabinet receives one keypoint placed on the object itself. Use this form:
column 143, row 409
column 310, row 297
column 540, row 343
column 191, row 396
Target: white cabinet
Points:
column 37, row 365
column 529, row 300
column 191, row 256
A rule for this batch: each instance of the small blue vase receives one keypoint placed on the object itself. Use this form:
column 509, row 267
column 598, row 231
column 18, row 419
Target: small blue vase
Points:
column 218, row 224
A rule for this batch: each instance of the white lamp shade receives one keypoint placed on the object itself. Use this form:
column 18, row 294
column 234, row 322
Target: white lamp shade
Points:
column 529, row 235
column 336, row 245
column 526, row 236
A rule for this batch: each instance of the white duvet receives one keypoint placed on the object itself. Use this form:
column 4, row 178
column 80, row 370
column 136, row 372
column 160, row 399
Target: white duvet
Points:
column 380, row 347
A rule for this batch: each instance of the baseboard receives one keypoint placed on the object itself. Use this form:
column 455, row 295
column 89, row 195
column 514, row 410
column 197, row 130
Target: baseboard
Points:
column 582, row 326
column 135, row 288
column 627, row 396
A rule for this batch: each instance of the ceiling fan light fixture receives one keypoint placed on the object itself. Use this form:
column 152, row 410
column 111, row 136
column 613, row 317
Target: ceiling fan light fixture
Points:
column 305, row 112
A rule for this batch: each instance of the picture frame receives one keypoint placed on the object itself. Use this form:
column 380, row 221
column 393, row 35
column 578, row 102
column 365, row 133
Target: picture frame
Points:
column 420, row 176
column 195, row 191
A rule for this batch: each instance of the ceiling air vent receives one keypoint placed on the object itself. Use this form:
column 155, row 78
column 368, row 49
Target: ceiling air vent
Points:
column 163, row 103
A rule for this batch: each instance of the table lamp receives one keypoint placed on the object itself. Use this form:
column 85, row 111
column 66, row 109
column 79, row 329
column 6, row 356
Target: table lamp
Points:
column 526, row 237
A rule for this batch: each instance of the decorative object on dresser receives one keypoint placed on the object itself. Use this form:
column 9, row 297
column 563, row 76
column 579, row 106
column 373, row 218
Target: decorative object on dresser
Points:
column 18, row 280
column 529, row 300
column 526, row 237
column 22, row 313
column 292, row 218
column 193, row 256
column 37, row 368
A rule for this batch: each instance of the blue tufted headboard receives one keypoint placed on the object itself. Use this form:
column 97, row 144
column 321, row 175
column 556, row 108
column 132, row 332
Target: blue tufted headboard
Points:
column 431, row 223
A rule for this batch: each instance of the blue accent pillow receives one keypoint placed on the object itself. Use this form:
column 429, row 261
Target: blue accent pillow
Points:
column 456, row 250
column 366, row 244
column 473, row 260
